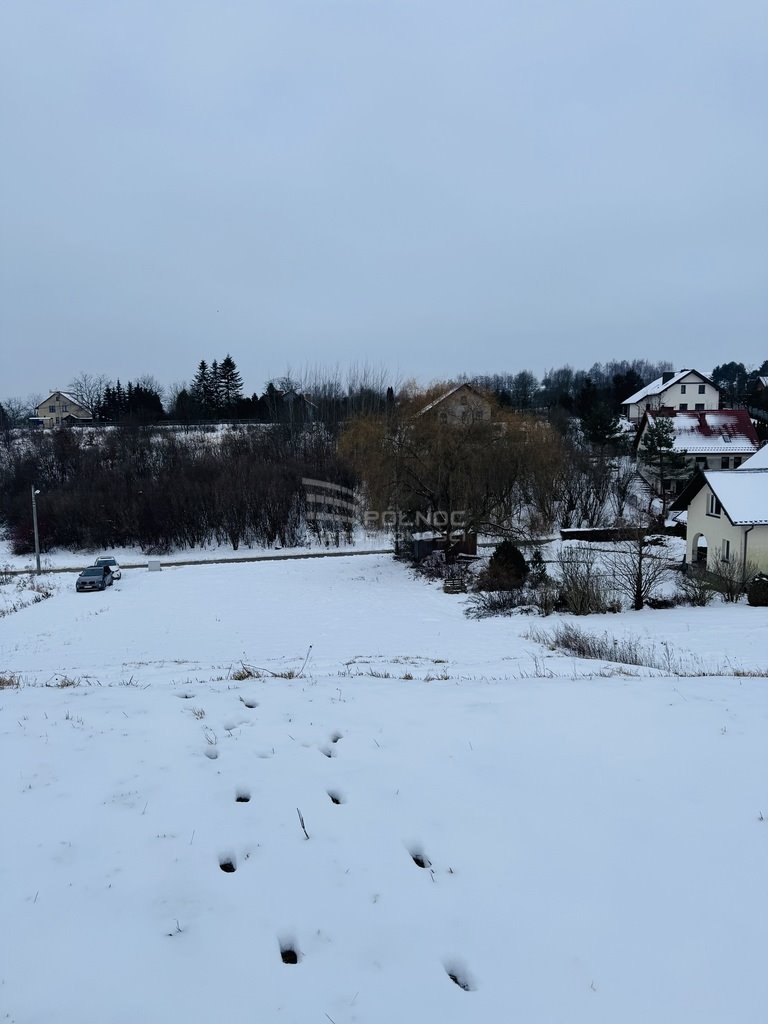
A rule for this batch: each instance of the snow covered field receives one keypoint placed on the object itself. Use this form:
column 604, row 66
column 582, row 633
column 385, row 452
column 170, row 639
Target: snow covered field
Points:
column 496, row 832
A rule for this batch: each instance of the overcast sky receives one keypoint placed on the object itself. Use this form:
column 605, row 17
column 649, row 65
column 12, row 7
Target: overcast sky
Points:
column 427, row 185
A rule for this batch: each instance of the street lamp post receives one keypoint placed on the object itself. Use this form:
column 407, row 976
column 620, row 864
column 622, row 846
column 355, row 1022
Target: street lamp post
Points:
column 34, row 526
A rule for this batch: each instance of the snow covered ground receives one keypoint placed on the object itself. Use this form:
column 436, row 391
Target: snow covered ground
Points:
column 591, row 837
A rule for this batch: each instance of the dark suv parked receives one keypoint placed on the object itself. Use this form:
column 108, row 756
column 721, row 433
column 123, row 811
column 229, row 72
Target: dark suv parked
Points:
column 95, row 577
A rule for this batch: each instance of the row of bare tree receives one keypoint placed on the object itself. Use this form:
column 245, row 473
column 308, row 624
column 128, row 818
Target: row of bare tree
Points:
column 158, row 491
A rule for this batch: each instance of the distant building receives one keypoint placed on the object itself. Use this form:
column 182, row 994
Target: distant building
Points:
column 684, row 391
column 460, row 404
column 60, row 410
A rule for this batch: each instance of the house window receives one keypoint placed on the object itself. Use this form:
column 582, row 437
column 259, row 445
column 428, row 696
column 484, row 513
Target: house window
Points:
column 725, row 551
column 65, row 408
column 683, row 406
column 463, row 400
column 702, row 389
column 51, row 408
column 699, row 407
column 725, row 462
column 443, row 417
column 714, row 508
column 736, row 461
column 701, row 462
column 682, row 389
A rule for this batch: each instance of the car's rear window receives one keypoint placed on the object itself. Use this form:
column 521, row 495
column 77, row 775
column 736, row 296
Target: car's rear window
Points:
column 95, row 570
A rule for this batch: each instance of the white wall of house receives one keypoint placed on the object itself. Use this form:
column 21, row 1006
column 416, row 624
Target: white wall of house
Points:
column 720, row 534
column 57, row 406
column 691, row 393
column 757, row 547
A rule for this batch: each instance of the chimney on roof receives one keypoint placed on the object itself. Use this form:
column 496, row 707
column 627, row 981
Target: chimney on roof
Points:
column 667, row 377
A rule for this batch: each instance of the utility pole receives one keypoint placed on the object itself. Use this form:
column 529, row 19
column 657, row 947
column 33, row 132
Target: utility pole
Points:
column 34, row 526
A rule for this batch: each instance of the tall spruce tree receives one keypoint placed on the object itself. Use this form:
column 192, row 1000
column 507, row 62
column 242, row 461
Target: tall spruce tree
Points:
column 200, row 388
column 231, row 384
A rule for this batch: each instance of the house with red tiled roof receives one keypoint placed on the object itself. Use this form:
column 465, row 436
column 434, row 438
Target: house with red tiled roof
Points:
column 713, row 440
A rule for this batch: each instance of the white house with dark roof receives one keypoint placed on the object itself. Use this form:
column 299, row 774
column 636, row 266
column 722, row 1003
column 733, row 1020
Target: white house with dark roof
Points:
column 684, row 391
column 60, row 409
column 727, row 517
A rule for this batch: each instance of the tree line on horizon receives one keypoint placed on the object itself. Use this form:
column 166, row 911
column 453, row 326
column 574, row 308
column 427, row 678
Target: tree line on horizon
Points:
column 518, row 472
column 216, row 393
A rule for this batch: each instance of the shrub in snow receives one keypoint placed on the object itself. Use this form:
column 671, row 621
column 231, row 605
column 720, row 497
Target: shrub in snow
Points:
column 486, row 603
column 583, row 588
column 507, row 569
column 729, row 575
column 525, row 600
column 695, row 589
column 537, row 570
column 757, row 591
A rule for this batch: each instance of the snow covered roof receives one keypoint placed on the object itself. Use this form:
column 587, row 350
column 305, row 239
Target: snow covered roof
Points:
column 757, row 461
column 742, row 493
column 656, row 387
column 716, row 431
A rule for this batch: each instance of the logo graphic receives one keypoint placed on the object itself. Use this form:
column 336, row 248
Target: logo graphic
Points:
column 330, row 504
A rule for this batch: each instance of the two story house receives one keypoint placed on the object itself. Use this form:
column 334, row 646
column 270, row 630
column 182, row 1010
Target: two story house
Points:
column 684, row 391
column 60, row 410
column 460, row 404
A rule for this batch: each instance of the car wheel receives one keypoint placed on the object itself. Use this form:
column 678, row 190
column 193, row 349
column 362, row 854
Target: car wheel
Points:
column 103, row 585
